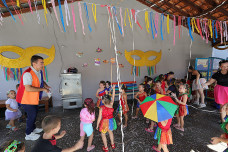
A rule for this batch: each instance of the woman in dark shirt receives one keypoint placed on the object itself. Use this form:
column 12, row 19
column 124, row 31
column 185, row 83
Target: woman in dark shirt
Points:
column 221, row 89
column 198, row 80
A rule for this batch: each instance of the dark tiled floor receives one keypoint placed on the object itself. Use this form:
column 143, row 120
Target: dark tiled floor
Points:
column 199, row 128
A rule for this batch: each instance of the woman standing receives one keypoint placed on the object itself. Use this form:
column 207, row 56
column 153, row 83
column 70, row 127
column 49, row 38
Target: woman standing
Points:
column 221, row 89
column 198, row 80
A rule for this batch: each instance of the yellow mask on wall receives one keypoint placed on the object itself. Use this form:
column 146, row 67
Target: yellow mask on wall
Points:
column 144, row 61
column 25, row 56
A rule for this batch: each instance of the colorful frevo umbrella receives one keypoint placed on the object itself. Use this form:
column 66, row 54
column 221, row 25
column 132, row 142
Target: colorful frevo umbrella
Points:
column 158, row 107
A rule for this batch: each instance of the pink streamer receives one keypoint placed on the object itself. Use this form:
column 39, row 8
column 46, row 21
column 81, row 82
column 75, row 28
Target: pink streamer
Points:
column 198, row 24
column 134, row 16
column 174, row 27
column 53, row 6
column 30, row 6
column 121, row 18
column 220, row 25
column 73, row 15
column 80, row 14
column 18, row 14
column 156, row 23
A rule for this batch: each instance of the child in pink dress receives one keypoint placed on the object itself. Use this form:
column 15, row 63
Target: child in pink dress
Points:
column 87, row 116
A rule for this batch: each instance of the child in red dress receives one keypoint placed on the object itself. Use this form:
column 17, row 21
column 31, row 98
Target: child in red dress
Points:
column 140, row 96
column 124, row 105
column 182, row 110
column 105, row 121
column 164, row 136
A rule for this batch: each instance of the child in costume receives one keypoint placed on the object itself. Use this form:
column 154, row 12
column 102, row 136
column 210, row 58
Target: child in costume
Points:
column 87, row 116
column 157, row 87
column 100, row 93
column 140, row 96
column 182, row 110
column 124, row 105
column 105, row 121
column 12, row 112
column 163, row 82
column 47, row 142
column 164, row 135
column 108, row 86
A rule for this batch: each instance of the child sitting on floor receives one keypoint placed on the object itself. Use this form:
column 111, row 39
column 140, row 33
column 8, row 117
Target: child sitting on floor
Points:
column 47, row 142
column 87, row 116
column 100, row 93
column 105, row 121
column 124, row 105
column 182, row 110
column 12, row 112
column 140, row 96
column 164, row 136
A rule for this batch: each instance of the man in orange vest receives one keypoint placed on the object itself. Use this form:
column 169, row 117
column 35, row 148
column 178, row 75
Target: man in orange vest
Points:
column 30, row 92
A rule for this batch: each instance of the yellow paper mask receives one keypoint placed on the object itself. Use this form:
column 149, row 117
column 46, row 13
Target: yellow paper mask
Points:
column 143, row 57
column 25, row 56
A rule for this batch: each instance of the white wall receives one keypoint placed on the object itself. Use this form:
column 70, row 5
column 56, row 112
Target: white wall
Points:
column 174, row 58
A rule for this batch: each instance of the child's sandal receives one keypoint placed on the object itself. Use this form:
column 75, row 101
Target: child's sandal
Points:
column 113, row 146
column 155, row 148
column 105, row 149
column 8, row 126
column 14, row 128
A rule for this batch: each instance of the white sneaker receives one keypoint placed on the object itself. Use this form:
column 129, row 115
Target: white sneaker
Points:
column 32, row 136
column 196, row 102
column 202, row 105
column 37, row 130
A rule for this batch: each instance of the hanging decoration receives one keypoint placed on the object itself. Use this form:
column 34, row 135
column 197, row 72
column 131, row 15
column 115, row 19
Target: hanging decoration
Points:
column 73, row 16
column 53, row 6
column 67, row 12
column 127, row 13
column 151, row 24
column 162, row 19
column 12, row 73
column 135, row 18
column 99, row 50
column 45, row 10
column 94, row 10
column 105, row 61
column 85, row 65
column 167, row 23
column 147, row 21
column 18, row 3
column 44, row 72
column 79, row 54
column 80, row 14
column 87, row 17
column 30, row 6
column 25, row 56
column 119, row 53
column 121, row 65
column 113, row 60
column 121, row 19
column 136, row 64
column 174, row 29
column 4, row 2
column 37, row 13
column 16, row 11
column 117, row 22
column 97, row 61
column 61, row 15
column 151, row 70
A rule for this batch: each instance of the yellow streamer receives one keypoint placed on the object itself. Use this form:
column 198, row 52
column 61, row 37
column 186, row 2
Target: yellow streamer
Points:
column 45, row 10
column 147, row 22
column 195, row 25
column 127, row 12
column 168, row 23
column 192, row 25
column 209, row 22
column 18, row 3
column 94, row 10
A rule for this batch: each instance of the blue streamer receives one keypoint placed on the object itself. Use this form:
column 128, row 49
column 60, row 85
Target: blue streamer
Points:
column 87, row 17
column 117, row 20
column 189, row 28
column 151, row 24
column 61, row 15
column 216, row 34
column 213, row 22
column 8, row 10
column 155, row 27
column 161, row 26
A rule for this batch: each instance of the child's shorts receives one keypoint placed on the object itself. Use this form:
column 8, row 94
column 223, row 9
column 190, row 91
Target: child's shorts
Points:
column 138, row 104
column 86, row 128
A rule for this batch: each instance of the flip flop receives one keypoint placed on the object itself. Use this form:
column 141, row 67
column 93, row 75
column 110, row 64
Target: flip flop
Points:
column 8, row 126
column 149, row 130
column 155, row 148
column 90, row 148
